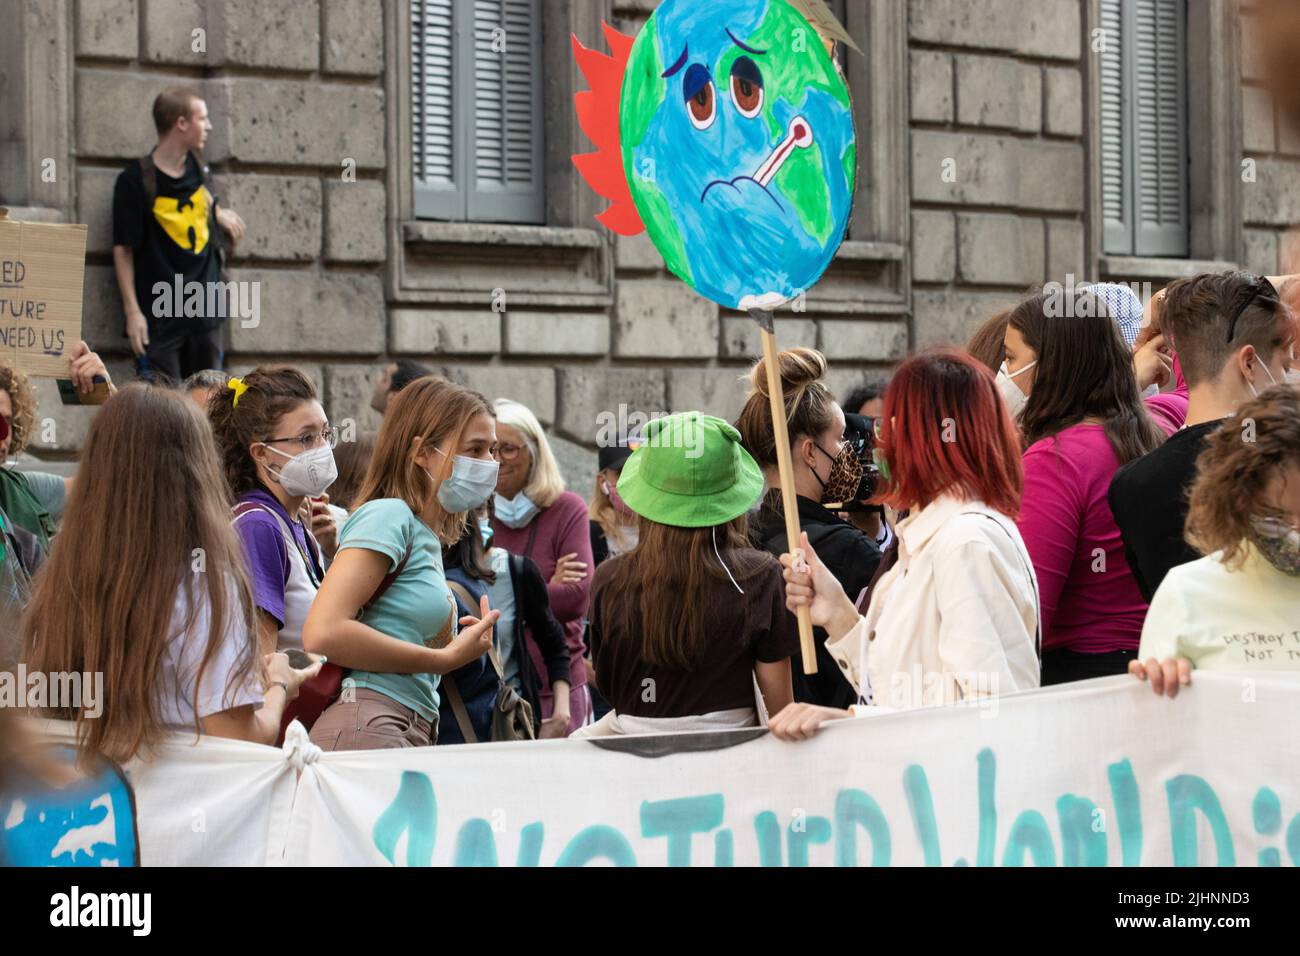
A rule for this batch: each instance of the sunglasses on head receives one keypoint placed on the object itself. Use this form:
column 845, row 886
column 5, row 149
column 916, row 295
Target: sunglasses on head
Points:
column 1262, row 289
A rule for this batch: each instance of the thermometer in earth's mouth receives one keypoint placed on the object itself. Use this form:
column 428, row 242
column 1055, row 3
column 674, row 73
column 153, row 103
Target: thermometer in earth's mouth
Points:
column 800, row 135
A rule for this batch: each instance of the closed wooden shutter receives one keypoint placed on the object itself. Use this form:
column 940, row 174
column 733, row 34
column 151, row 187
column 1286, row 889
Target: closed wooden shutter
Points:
column 1116, row 201
column 439, row 191
column 477, row 138
column 1144, row 151
column 507, row 112
column 1160, row 134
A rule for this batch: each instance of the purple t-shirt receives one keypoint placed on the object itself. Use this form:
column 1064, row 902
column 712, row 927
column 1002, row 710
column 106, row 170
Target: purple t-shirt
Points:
column 267, row 553
column 1090, row 602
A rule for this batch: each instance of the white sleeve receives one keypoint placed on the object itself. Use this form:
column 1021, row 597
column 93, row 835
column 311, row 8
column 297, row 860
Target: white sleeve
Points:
column 1165, row 622
column 850, row 653
column 980, row 615
column 222, row 687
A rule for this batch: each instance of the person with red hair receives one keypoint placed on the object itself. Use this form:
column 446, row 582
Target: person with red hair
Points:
column 957, row 617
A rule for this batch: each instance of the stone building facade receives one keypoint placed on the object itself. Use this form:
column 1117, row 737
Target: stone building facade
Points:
column 979, row 176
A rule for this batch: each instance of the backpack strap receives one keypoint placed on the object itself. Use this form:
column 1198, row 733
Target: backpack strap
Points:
column 149, row 177
column 312, row 561
column 467, row 599
column 448, row 683
column 387, row 582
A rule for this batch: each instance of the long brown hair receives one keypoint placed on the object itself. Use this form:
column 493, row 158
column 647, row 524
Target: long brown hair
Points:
column 665, row 588
column 1240, row 460
column 1084, row 371
column 271, row 393
column 149, row 502
column 988, row 345
column 436, row 412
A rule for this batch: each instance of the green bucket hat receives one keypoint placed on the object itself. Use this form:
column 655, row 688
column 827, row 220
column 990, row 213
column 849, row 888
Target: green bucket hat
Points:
column 690, row 472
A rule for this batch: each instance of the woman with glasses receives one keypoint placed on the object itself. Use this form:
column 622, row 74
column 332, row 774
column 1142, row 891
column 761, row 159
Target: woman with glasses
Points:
column 277, row 452
column 957, row 617
column 1236, row 608
column 827, row 471
column 1083, row 418
column 535, row 517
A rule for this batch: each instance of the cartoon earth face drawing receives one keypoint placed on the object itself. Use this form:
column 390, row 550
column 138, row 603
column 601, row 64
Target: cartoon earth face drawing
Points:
column 735, row 132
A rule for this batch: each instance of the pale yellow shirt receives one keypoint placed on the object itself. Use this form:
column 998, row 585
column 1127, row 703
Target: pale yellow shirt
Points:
column 957, row 617
column 1221, row 619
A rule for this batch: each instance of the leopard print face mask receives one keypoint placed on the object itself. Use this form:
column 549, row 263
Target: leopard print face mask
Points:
column 846, row 474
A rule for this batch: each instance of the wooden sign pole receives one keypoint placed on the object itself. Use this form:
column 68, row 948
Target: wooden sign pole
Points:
column 785, row 470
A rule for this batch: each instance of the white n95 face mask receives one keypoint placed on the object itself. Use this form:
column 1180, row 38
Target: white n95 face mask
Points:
column 307, row 474
column 1010, row 391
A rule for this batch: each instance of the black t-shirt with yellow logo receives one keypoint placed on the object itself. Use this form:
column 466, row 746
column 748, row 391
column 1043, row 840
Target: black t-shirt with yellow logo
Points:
column 176, row 237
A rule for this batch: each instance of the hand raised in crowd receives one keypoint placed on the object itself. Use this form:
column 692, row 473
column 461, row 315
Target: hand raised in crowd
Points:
column 317, row 515
column 279, row 671
column 474, row 638
column 569, row 570
column 84, row 365
column 1153, row 364
column 232, row 223
column 809, row 583
column 137, row 331
column 1150, row 320
column 800, row 721
column 1166, row 676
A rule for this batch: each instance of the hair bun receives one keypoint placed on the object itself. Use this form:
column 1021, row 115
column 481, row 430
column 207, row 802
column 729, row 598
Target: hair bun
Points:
column 798, row 368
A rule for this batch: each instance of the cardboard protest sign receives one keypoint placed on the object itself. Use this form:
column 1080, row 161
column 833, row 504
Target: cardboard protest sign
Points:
column 42, row 266
column 725, row 132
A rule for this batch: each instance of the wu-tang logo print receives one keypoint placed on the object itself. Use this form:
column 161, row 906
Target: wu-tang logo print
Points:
column 185, row 220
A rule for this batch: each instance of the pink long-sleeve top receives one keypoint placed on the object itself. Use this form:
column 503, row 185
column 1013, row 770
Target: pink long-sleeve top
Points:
column 1089, row 600
column 562, row 529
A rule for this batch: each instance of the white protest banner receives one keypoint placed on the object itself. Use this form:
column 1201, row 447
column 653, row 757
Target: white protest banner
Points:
column 1096, row 773
column 1099, row 773
column 211, row 803
column 41, row 270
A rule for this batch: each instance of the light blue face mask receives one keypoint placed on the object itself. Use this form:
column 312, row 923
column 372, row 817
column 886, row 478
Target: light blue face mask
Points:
column 517, row 511
column 469, row 484
column 485, row 530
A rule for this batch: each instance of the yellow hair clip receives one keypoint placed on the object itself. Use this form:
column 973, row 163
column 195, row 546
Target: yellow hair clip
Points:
column 237, row 386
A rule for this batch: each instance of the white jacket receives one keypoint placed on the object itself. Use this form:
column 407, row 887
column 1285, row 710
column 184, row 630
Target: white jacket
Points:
column 956, row 617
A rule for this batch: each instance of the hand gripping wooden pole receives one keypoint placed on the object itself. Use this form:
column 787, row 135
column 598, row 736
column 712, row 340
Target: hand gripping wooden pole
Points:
column 785, row 470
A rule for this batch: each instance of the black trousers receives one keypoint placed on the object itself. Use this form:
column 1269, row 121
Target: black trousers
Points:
column 1062, row 666
column 178, row 355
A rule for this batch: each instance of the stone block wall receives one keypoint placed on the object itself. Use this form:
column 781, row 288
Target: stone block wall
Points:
column 998, row 157
column 1270, row 171
column 299, row 91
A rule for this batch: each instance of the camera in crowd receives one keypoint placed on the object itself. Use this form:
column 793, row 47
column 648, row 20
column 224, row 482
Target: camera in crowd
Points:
column 860, row 433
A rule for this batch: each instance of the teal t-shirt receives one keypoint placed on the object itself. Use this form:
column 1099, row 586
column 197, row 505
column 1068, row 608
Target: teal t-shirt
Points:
column 417, row 607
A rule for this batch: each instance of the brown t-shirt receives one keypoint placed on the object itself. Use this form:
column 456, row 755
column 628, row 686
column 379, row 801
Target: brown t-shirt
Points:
column 749, row 627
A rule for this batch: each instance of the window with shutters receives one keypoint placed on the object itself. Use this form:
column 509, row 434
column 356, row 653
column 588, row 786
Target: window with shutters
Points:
column 476, row 110
column 1143, row 139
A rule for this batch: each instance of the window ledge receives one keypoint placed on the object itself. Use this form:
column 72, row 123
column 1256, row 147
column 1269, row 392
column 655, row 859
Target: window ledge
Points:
column 862, row 251
column 495, row 234
column 1139, row 267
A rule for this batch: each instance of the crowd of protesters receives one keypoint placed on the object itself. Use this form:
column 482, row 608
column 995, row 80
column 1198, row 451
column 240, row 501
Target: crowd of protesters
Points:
column 1093, row 486
column 1104, row 497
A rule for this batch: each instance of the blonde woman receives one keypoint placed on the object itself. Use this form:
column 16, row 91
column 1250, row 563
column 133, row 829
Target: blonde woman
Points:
column 613, row 523
column 384, row 609
column 535, row 517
